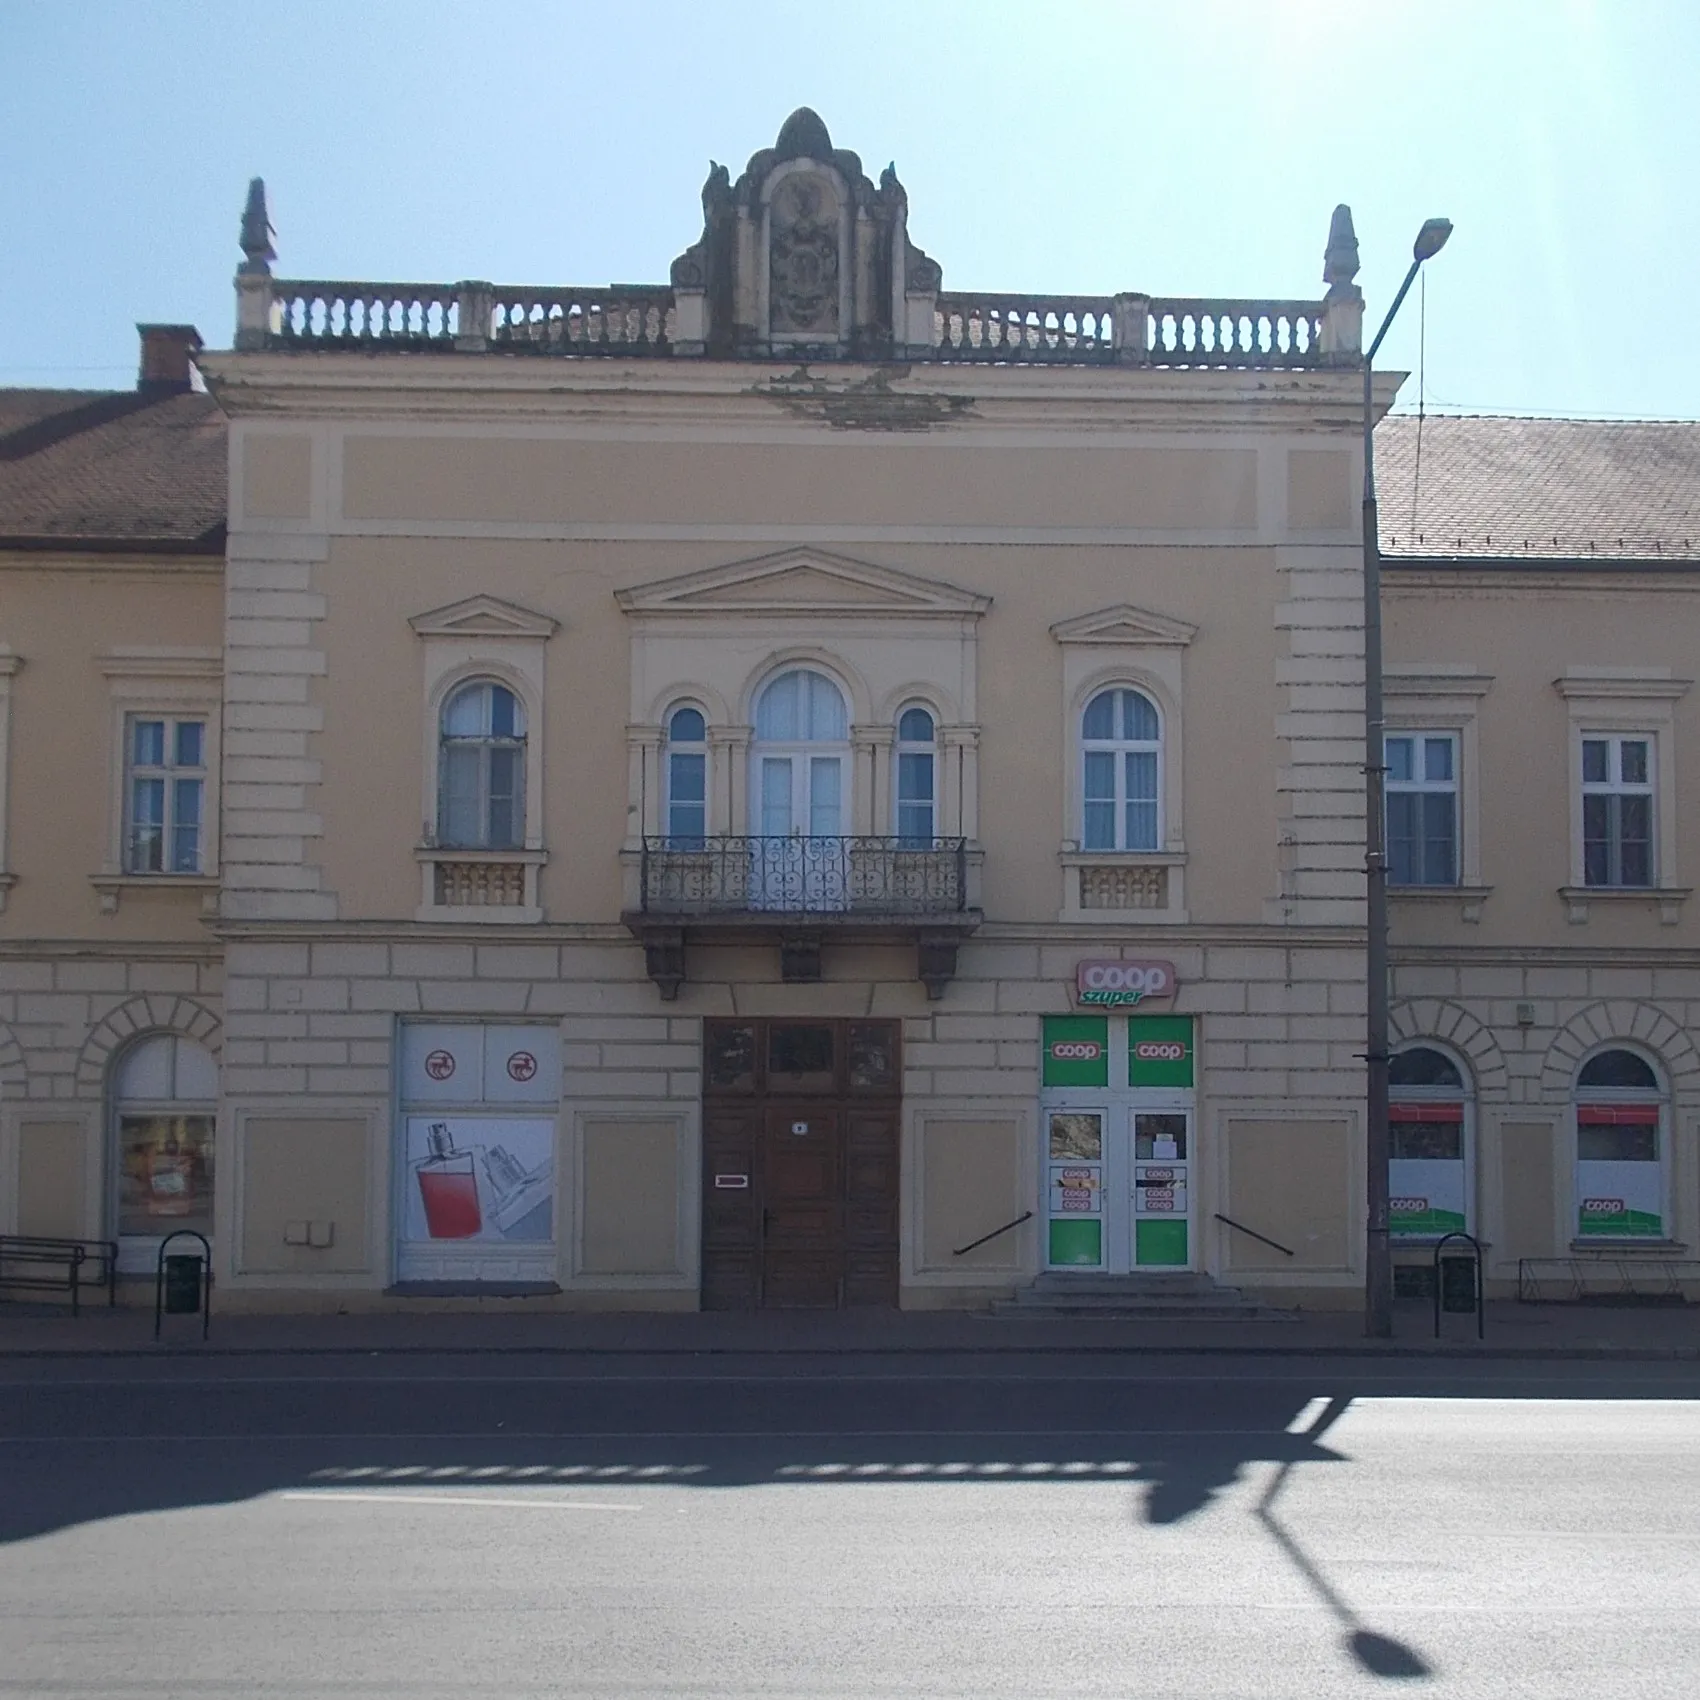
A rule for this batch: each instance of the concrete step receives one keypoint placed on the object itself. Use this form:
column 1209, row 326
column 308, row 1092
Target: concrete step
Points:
column 1182, row 1296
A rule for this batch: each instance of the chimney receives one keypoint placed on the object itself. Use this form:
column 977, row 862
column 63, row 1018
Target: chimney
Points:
column 168, row 354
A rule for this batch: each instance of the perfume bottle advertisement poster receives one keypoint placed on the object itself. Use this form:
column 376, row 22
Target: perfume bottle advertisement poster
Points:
column 483, row 1179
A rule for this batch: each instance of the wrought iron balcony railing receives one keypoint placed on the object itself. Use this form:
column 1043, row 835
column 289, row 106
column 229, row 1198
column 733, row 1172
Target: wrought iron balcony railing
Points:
column 799, row 875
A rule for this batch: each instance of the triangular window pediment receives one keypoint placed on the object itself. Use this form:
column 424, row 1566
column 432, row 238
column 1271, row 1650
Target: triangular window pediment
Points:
column 483, row 616
column 1126, row 626
column 804, row 581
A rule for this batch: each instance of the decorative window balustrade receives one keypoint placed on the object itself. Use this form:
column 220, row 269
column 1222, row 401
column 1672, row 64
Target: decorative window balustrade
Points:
column 642, row 319
column 859, row 877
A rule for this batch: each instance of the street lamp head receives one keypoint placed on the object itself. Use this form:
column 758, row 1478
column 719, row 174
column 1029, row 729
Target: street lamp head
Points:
column 1431, row 239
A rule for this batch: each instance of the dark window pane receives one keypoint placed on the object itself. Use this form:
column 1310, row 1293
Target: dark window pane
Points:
column 1139, row 718
column 1100, row 718
column 1398, row 759
column 687, row 778
column 1634, row 1142
column 189, row 740
column 1596, row 761
column 503, row 713
column 799, row 1055
column 1423, row 1066
column 148, row 749
column 729, row 1058
column 1596, row 840
column 1618, row 1069
column 1437, row 1141
column 1148, row 1129
column 916, row 726
column 1439, row 866
column 873, row 1055
column 1635, row 816
column 1402, row 839
column 1634, row 761
column 1437, row 758
column 686, row 726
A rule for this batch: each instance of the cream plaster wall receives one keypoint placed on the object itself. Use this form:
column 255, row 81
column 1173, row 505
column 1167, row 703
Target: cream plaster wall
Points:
column 1524, row 637
column 60, row 619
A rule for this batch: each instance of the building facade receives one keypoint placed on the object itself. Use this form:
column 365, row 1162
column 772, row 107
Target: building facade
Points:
column 797, row 786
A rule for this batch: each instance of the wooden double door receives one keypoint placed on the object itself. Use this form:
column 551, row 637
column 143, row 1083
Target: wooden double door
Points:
column 800, row 1163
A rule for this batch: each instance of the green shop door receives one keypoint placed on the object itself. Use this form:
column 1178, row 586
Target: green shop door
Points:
column 1118, row 1143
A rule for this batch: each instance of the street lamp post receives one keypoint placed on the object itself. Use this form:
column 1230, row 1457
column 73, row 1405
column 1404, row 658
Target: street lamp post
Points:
column 1378, row 1252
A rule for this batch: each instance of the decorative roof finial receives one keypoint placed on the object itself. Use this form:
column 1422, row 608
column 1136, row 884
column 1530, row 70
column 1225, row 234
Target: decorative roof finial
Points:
column 1340, row 263
column 803, row 136
column 257, row 233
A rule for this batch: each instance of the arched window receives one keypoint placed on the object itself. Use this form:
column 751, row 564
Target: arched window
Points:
column 687, row 779
column 1621, row 1146
column 481, row 769
column 917, row 779
column 1429, row 1172
column 164, row 1103
column 800, row 777
column 1121, row 761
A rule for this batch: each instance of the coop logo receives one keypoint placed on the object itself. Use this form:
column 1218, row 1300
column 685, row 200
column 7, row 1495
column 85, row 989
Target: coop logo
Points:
column 1160, row 1050
column 1602, row 1206
column 1407, row 1206
column 1076, row 1050
column 1120, row 984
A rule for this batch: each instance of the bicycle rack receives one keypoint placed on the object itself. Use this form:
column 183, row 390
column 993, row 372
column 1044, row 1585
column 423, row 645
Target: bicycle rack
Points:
column 177, row 1291
column 1480, row 1306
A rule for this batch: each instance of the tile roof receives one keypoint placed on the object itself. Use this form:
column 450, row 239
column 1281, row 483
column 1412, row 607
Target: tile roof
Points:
column 1552, row 489
column 138, row 471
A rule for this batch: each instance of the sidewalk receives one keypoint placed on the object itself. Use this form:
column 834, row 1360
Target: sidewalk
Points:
column 1556, row 1331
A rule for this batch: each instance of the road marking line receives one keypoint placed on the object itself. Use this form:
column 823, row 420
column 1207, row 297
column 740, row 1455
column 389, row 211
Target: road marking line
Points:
column 336, row 1496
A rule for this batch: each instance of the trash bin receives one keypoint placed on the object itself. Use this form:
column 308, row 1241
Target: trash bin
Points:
column 1457, row 1285
column 182, row 1285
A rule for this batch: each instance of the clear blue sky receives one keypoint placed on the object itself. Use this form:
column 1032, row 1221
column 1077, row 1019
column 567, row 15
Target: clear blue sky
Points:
column 1192, row 147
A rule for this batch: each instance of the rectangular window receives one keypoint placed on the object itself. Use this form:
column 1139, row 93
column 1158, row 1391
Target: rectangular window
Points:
column 687, row 800
column 165, row 782
column 1422, row 808
column 1617, row 811
column 915, row 798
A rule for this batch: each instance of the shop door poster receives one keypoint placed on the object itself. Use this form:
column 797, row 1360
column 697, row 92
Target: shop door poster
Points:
column 479, row 1180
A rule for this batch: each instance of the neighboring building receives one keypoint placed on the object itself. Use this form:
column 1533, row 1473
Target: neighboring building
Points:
column 733, row 792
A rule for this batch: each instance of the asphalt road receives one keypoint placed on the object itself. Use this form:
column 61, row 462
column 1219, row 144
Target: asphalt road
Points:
column 619, row 1527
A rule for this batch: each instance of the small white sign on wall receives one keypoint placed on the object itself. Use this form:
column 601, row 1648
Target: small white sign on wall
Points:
column 468, row 1062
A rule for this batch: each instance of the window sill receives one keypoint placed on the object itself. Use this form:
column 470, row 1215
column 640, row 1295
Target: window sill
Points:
column 113, row 886
column 1578, row 900
column 1469, row 898
column 482, row 887
column 1617, row 1247
column 1105, row 885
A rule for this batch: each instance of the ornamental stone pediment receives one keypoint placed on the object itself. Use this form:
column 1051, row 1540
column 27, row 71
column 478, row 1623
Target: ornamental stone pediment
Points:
column 1125, row 625
column 483, row 616
column 804, row 581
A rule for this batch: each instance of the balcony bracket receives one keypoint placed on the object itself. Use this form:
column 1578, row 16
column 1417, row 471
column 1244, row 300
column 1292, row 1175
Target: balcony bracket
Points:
column 664, row 958
column 935, row 960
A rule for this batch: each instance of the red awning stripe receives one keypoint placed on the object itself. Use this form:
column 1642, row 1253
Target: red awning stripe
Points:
column 1425, row 1112
column 1618, row 1115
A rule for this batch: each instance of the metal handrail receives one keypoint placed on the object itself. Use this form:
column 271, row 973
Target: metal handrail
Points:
column 961, row 1249
column 1286, row 1251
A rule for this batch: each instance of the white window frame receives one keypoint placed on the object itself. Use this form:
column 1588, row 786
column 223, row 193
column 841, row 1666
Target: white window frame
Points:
column 482, row 638
column 1464, row 1094
column 1422, row 786
column 1659, row 1096
column 1119, row 748
column 680, row 749
column 1633, row 703
column 486, row 743
column 1614, row 785
column 168, row 773
column 911, row 747
column 170, row 684
column 1434, row 697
